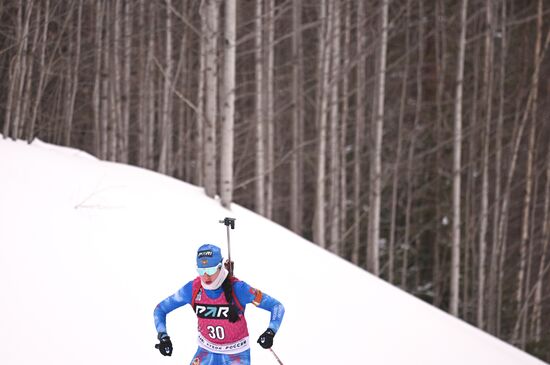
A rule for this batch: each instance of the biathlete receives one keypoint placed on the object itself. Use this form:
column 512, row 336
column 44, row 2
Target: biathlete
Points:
column 219, row 301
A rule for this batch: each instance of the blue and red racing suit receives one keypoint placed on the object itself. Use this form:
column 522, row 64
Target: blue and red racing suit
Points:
column 220, row 341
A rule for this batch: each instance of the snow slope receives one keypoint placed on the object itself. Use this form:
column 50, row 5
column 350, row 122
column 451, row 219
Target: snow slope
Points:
column 88, row 248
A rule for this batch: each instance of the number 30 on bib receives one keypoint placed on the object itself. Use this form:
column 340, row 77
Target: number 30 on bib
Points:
column 216, row 332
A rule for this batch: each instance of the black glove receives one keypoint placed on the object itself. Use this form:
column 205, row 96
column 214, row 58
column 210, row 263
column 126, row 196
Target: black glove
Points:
column 266, row 339
column 229, row 266
column 165, row 345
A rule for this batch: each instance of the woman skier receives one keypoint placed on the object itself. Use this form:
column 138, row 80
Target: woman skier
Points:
column 219, row 301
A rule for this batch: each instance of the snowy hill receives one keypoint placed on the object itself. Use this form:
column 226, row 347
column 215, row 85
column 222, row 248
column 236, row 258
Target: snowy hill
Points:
column 88, row 248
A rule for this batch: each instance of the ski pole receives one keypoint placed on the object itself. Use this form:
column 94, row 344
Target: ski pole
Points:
column 229, row 222
column 276, row 357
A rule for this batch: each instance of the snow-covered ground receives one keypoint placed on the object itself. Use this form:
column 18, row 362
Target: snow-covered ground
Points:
column 88, row 248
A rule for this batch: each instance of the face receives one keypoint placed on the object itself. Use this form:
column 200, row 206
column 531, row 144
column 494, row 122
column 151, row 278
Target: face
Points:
column 209, row 279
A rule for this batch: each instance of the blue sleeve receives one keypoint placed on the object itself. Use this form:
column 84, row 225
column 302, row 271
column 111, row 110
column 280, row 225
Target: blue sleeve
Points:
column 179, row 299
column 247, row 294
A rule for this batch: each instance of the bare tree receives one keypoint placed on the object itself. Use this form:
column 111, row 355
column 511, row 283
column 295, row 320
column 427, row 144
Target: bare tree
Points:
column 376, row 163
column 359, row 128
column 139, row 125
column 72, row 83
column 470, row 195
column 496, row 249
column 410, row 183
column 334, row 148
column 418, row 112
column 296, row 181
column 105, row 120
column 269, row 106
column 319, row 235
column 166, row 127
column 28, row 77
column 116, row 83
column 111, row 78
column 441, row 69
column 484, row 214
column 114, row 80
column 260, row 100
column 226, row 166
column 126, row 83
column 210, row 17
column 43, row 71
column 457, row 149
column 344, row 124
column 398, row 152
column 98, row 43
column 151, row 80
column 199, row 173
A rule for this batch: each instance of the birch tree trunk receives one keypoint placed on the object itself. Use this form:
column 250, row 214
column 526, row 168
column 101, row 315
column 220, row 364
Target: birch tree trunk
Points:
column 115, row 82
column 73, row 75
column 96, row 97
column 418, row 111
column 185, row 111
column 211, row 105
column 226, row 167
column 296, row 181
column 43, row 71
column 457, row 150
column 495, row 250
column 104, row 102
column 484, row 214
column 112, row 78
column 343, row 153
column 141, row 94
column 334, row 158
column 527, row 306
column 376, row 164
column 319, row 236
column 269, row 106
column 471, row 197
column 166, row 127
column 408, row 209
column 441, row 67
column 359, row 128
column 200, row 173
column 260, row 98
column 395, row 176
column 126, row 83
column 150, row 124
column 27, row 93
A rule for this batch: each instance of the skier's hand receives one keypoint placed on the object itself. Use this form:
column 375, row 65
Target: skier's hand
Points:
column 229, row 266
column 165, row 345
column 266, row 339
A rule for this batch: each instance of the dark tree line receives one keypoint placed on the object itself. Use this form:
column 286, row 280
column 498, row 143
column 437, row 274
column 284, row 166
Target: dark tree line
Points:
column 408, row 136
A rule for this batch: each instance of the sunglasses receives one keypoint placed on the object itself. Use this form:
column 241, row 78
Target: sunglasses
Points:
column 208, row 270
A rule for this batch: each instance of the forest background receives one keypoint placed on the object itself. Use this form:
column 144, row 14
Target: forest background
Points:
column 407, row 136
